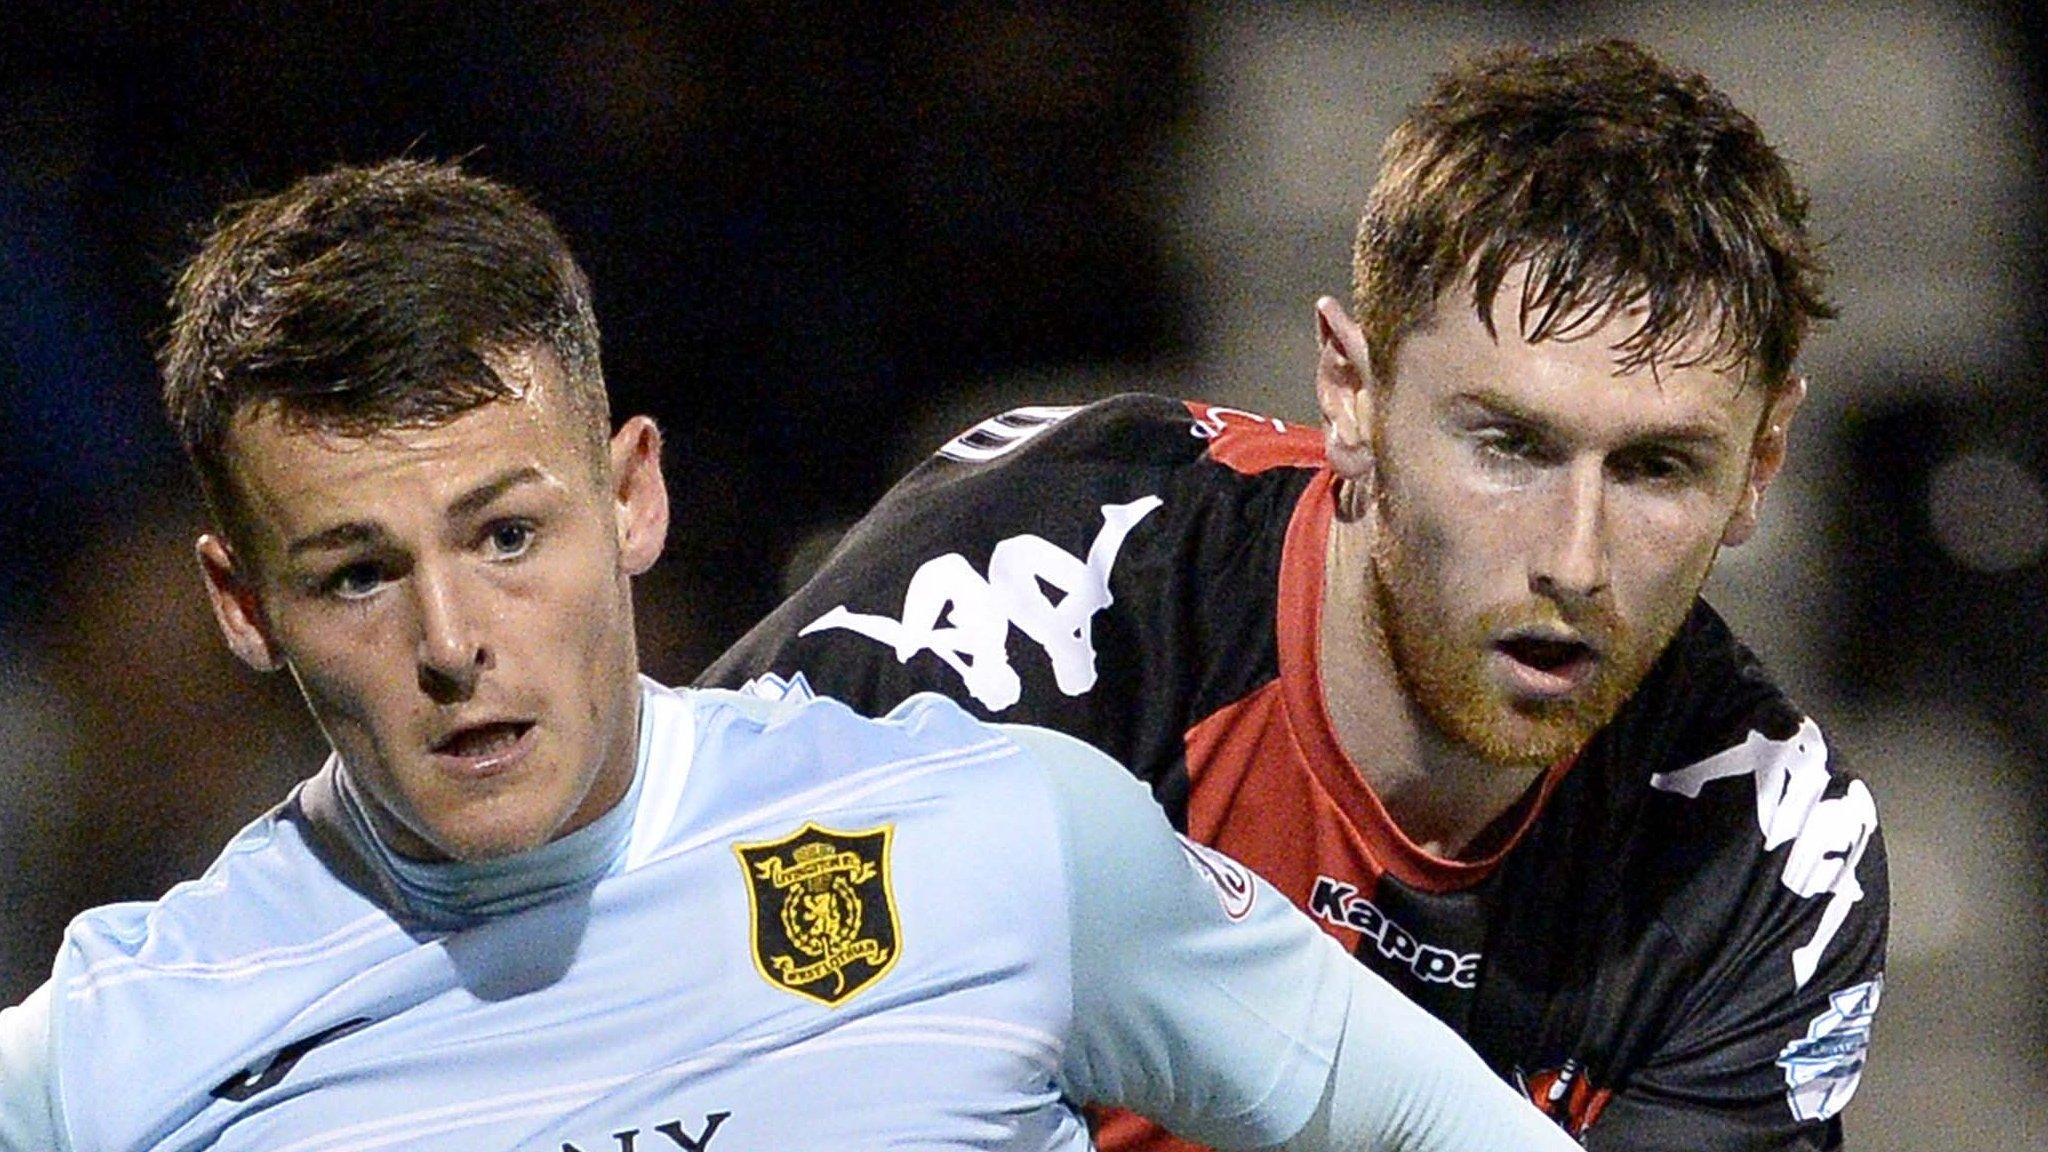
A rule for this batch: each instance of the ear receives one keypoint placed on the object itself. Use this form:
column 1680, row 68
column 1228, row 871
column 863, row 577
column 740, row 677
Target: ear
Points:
column 236, row 606
column 639, row 494
column 1766, row 460
column 1342, row 374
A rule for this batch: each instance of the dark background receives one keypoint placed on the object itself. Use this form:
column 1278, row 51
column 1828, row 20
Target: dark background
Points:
column 818, row 232
column 800, row 218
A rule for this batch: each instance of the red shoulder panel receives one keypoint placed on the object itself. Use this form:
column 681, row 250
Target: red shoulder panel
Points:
column 1249, row 443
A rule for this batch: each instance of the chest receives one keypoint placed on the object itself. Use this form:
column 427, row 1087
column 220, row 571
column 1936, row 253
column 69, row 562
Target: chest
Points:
column 1552, row 955
column 853, row 980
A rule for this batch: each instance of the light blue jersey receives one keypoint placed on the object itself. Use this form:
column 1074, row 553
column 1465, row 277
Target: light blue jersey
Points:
column 801, row 930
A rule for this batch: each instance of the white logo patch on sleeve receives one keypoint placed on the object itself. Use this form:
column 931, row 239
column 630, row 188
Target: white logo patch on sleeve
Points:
column 1235, row 890
column 1823, row 1068
column 1828, row 836
column 979, row 612
column 770, row 686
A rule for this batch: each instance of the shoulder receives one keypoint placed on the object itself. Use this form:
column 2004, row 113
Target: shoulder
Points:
column 1138, row 428
column 1710, row 711
column 1778, row 812
column 759, row 753
column 1069, row 473
column 1032, row 522
column 153, row 1004
column 926, row 750
column 1131, row 438
column 1738, row 810
column 788, row 713
column 1090, row 786
column 1739, row 874
column 269, row 892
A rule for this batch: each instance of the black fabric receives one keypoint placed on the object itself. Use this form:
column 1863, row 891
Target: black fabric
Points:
column 1637, row 976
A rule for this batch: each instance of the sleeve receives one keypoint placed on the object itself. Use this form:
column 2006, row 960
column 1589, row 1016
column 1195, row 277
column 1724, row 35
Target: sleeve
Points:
column 1207, row 1002
column 1771, row 1042
column 910, row 600
column 28, row 1115
column 986, row 574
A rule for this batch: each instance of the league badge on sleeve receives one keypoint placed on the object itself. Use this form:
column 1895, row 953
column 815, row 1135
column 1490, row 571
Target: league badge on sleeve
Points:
column 824, row 914
column 1823, row 1067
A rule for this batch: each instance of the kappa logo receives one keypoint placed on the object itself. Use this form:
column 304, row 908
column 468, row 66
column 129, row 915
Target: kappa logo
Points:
column 965, row 619
column 1828, row 837
column 824, row 914
column 1345, row 906
column 1823, row 1068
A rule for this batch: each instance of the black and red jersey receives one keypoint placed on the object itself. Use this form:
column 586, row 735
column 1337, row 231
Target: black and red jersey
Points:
column 1680, row 944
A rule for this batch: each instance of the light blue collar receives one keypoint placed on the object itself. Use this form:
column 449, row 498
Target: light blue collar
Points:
column 458, row 894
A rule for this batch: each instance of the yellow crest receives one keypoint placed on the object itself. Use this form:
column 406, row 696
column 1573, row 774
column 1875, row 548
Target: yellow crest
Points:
column 824, row 922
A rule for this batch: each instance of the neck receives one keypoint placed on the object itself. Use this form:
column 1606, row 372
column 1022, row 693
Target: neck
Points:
column 1442, row 796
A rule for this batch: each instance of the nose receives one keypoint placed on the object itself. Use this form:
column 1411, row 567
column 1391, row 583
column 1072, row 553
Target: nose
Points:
column 1569, row 565
column 452, row 654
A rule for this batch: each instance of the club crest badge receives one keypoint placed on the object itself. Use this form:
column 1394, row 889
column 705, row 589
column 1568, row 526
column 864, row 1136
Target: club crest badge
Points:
column 824, row 914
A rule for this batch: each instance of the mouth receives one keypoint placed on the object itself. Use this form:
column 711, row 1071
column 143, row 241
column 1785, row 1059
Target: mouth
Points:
column 485, row 747
column 1548, row 664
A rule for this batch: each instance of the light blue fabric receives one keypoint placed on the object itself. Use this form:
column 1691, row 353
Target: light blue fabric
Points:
column 1220, row 1028
column 1029, row 934
column 461, row 893
column 1217, row 1025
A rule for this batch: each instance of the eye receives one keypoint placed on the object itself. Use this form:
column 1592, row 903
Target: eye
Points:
column 509, row 539
column 355, row 581
column 1655, row 466
column 1508, row 443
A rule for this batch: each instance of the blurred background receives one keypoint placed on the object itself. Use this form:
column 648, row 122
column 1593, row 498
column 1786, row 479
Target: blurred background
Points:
column 824, row 237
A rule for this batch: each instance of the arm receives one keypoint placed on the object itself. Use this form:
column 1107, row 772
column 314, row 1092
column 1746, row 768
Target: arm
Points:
column 1403, row 1080
column 1761, row 1064
column 1204, row 1000
column 986, row 576
column 909, row 599
column 28, row 1118
column 1769, row 1044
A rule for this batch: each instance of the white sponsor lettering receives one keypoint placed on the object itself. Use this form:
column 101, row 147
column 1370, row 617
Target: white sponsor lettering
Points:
column 951, row 611
column 1828, row 836
column 1345, row 906
column 1823, row 1068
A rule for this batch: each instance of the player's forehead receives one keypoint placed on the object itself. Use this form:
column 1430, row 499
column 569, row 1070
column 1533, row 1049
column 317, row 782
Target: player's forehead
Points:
column 1578, row 366
column 1536, row 299
column 293, row 478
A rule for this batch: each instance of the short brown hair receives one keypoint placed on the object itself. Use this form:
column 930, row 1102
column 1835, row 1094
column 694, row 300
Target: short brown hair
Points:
column 1622, row 182
column 364, row 299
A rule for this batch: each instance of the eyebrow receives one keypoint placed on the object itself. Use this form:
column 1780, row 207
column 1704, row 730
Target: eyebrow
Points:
column 1699, row 433
column 358, row 532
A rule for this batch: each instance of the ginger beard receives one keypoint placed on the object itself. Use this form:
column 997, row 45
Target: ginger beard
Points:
column 1440, row 653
